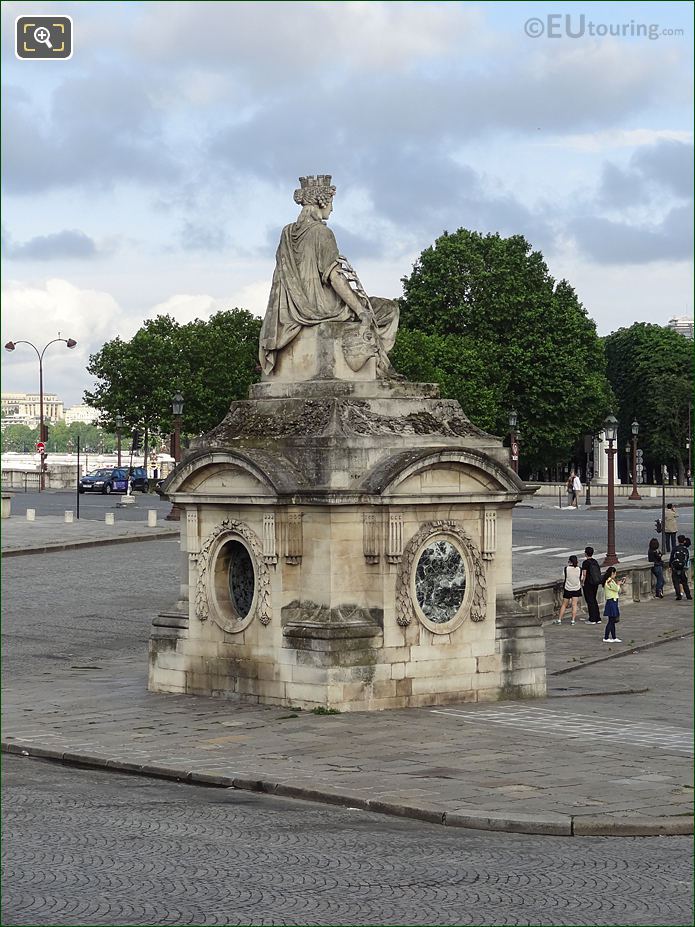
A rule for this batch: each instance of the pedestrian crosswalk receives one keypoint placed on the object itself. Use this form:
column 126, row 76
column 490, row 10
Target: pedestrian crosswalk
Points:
column 563, row 552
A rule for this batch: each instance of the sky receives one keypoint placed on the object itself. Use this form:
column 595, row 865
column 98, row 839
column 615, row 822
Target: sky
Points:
column 152, row 171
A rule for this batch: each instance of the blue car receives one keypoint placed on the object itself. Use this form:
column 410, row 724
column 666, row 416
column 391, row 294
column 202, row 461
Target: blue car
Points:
column 114, row 479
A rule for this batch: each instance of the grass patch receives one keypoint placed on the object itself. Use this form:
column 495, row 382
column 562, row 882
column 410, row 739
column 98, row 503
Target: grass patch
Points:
column 320, row 710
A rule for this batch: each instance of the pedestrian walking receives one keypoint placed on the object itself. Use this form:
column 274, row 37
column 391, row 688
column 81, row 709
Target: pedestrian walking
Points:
column 679, row 562
column 656, row 559
column 569, row 486
column 576, row 490
column 611, row 610
column 590, row 578
column 571, row 589
column 670, row 527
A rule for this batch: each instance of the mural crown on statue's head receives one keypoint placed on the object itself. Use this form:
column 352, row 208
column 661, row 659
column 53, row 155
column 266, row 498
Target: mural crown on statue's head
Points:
column 315, row 190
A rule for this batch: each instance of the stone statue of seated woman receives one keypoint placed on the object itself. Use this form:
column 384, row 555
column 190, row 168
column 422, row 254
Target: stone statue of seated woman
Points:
column 314, row 284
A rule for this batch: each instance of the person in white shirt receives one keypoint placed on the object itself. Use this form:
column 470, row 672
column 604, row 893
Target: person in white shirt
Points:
column 576, row 489
column 572, row 589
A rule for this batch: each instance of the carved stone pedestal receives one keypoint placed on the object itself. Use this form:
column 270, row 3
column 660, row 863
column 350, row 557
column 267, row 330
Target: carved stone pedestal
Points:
column 346, row 544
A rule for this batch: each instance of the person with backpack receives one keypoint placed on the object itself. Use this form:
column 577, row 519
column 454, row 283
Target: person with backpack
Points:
column 611, row 611
column 571, row 589
column 656, row 559
column 590, row 579
column 680, row 557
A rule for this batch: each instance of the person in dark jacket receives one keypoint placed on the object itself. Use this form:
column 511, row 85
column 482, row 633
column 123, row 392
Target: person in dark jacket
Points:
column 657, row 561
column 590, row 578
column 679, row 560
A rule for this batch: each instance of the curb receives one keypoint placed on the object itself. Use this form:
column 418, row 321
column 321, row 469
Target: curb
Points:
column 92, row 542
column 563, row 825
column 623, row 653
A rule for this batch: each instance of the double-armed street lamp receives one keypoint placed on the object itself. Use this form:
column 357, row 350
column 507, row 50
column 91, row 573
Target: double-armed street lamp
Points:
column 513, row 441
column 635, row 431
column 41, row 445
column 610, row 428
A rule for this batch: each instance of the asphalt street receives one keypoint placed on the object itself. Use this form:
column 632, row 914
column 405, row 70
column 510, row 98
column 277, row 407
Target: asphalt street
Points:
column 84, row 847
column 93, row 505
column 543, row 538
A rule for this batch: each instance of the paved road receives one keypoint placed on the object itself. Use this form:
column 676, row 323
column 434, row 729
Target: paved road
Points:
column 85, row 847
column 543, row 539
column 92, row 505
column 80, row 607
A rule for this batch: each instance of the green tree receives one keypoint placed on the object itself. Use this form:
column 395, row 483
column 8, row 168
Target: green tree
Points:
column 523, row 341
column 211, row 363
column 651, row 371
column 19, row 438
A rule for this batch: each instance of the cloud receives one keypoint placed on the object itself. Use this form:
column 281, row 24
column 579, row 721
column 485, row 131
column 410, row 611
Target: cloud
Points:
column 668, row 164
column 609, row 242
column 94, row 131
column 70, row 243
column 195, row 237
column 653, row 172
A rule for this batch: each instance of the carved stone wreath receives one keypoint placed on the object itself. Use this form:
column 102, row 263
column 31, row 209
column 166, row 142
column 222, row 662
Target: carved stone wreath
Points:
column 405, row 605
column 204, row 557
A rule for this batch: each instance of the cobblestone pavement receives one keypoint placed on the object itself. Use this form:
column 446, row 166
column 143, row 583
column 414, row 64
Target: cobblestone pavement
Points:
column 92, row 848
column 75, row 679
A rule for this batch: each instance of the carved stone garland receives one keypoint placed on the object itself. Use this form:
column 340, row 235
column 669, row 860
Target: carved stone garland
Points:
column 431, row 529
column 202, row 560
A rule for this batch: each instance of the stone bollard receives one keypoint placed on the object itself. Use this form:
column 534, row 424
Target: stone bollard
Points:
column 152, row 518
column 110, row 518
column 31, row 514
column 6, row 505
column 69, row 517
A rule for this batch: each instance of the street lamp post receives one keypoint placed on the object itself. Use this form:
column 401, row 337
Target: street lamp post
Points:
column 10, row 346
column 610, row 428
column 119, row 427
column 635, row 431
column 628, row 454
column 175, row 450
column 513, row 441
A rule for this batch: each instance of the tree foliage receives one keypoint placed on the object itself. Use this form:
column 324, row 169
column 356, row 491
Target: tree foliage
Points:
column 62, row 438
column 496, row 331
column 210, row 363
column 651, row 371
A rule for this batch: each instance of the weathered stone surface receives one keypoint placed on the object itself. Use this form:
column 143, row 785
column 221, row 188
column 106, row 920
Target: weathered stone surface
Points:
column 328, row 485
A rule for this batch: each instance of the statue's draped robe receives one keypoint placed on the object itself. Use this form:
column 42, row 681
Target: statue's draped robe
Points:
column 301, row 293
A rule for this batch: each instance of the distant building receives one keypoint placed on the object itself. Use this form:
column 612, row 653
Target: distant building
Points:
column 683, row 325
column 81, row 413
column 24, row 408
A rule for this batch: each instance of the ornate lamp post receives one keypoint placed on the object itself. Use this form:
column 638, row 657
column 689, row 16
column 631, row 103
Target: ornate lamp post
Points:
column 628, row 453
column 610, row 427
column 175, row 450
column 10, row 346
column 177, row 409
column 635, row 431
column 513, row 442
column 119, row 427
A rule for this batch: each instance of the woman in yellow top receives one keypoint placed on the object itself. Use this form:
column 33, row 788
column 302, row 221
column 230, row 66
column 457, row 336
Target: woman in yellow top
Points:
column 611, row 611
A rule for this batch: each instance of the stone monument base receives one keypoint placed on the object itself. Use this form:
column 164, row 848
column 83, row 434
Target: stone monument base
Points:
column 347, row 545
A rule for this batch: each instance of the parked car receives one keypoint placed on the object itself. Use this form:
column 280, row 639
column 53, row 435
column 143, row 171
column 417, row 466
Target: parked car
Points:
column 114, row 479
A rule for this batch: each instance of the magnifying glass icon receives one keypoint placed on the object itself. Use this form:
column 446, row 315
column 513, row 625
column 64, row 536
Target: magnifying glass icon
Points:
column 43, row 36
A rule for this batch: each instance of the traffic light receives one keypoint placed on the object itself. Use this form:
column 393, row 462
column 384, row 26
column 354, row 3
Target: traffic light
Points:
column 137, row 442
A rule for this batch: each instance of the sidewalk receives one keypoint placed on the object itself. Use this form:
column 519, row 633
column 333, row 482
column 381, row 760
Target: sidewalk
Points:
column 599, row 503
column 608, row 752
column 50, row 532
